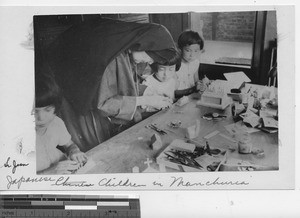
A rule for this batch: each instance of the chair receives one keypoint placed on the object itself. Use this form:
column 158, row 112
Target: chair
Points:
column 272, row 74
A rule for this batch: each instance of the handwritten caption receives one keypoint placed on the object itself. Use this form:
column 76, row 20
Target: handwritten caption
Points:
column 66, row 181
column 16, row 182
column 13, row 165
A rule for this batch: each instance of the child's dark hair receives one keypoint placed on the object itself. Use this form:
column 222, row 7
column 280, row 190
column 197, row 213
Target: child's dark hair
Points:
column 175, row 60
column 190, row 37
column 47, row 92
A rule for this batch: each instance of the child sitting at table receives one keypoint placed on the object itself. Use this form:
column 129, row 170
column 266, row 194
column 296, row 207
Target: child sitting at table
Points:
column 163, row 80
column 191, row 45
column 52, row 136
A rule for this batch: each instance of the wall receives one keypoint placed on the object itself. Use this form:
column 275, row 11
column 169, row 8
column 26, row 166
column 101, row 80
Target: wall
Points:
column 233, row 26
column 269, row 43
column 207, row 25
column 174, row 22
column 130, row 17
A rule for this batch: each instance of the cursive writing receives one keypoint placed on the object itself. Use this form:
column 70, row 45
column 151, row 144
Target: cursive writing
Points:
column 64, row 181
column 180, row 182
column 218, row 182
column 119, row 183
column 13, row 165
column 19, row 181
column 155, row 183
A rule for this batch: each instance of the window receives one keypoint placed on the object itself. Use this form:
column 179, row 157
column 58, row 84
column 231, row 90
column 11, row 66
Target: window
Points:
column 228, row 36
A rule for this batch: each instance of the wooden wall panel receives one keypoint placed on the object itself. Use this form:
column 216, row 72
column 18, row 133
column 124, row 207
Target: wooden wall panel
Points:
column 175, row 23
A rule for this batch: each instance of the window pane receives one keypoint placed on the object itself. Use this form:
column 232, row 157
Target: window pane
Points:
column 228, row 36
column 228, row 26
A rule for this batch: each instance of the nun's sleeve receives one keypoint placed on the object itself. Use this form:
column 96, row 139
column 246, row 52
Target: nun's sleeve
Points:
column 117, row 92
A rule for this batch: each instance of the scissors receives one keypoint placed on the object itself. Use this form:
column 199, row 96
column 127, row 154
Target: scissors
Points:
column 182, row 158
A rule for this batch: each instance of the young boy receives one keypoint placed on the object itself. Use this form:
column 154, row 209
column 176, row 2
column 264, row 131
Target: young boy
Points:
column 163, row 80
column 191, row 45
column 52, row 136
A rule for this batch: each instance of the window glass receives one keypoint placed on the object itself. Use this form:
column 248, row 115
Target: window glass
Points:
column 228, row 36
column 228, row 26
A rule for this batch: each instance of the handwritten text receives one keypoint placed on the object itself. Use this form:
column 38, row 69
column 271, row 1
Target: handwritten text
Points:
column 64, row 181
column 180, row 182
column 19, row 181
column 14, row 165
column 119, row 183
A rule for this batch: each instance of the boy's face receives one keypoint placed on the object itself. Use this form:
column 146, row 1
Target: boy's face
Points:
column 44, row 115
column 164, row 73
column 191, row 52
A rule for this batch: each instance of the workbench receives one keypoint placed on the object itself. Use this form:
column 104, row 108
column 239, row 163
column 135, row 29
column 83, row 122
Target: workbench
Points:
column 131, row 148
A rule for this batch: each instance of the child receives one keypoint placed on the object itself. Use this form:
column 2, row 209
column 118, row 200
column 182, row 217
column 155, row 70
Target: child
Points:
column 52, row 136
column 191, row 45
column 163, row 81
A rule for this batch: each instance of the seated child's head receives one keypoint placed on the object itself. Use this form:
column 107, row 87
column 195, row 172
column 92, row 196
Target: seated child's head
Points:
column 165, row 70
column 190, row 43
column 47, row 100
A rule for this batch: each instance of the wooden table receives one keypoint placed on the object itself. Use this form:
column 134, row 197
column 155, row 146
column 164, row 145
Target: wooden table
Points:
column 131, row 147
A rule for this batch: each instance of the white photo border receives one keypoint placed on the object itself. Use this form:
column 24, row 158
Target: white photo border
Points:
column 18, row 123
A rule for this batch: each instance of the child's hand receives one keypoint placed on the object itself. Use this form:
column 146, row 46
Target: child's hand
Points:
column 63, row 167
column 206, row 81
column 200, row 86
column 79, row 157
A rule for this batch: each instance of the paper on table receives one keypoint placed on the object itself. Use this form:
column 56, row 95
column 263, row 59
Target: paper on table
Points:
column 212, row 134
column 268, row 112
column 239, row 127
column 223, row 141
column 237, row 78
column 233, row 128
column 179, row 144
column 270, row 122
column 251, row 118
column 150, row 170
column 237, row 162
column 206, row 160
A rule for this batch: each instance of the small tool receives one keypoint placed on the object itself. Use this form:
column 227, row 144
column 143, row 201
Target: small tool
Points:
column 212, row 134
column 155, row 128
column 210, row 151
column 177, row 157
column 249, row 89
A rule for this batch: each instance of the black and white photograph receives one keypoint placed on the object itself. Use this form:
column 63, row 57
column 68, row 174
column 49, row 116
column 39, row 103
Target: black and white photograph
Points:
column 170, row 110
column 172, row 92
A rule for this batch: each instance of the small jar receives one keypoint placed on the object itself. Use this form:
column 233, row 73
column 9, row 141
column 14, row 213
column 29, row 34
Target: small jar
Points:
column 245, row 100
column 244, row 144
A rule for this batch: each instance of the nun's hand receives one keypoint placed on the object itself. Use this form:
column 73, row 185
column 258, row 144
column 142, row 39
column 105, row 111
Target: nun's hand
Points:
column 156, row 101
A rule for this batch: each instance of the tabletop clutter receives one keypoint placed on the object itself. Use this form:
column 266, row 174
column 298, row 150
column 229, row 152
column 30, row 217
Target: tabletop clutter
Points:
column 254, row 108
